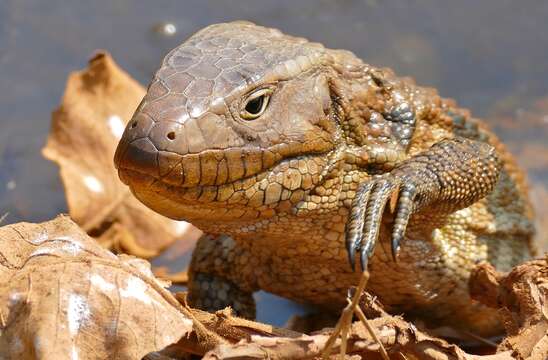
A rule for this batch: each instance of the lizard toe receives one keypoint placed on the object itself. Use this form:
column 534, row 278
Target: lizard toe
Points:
column 404, row 208
column 354, row 227
column 383, row 189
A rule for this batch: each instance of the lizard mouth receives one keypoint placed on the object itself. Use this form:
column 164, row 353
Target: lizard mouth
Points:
column 247, row 197
column 139, row 160
column 221, row 183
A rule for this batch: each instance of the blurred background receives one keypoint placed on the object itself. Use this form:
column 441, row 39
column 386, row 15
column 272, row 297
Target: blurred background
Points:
column 491, row 56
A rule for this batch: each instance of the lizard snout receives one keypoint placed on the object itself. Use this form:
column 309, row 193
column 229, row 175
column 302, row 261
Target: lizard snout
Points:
column 147, row 147
column 185, row 152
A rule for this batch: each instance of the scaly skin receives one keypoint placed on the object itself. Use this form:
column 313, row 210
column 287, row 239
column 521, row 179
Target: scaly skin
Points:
column 273, row 187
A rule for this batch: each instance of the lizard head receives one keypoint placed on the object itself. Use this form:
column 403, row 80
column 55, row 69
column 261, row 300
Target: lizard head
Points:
column 237, row 123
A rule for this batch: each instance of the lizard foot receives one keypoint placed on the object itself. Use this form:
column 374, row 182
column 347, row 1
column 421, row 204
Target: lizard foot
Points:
column 366, row 212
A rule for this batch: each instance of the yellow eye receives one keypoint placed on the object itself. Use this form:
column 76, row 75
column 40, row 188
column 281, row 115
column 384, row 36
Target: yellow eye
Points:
column 255, row 104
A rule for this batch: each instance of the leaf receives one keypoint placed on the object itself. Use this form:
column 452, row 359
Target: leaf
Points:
column 522, row 298
column 85, row 129
column 64, row 296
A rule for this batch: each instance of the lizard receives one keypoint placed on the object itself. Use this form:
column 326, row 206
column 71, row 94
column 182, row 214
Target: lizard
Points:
column 303, row 165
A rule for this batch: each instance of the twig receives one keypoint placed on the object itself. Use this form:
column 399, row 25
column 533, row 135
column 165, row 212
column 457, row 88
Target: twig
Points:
column 329, row 343
column 346, row 318
column 371, row 331
column 344, row 336
column 480, row 339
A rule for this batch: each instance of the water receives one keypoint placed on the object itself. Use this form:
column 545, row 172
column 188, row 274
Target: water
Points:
column 490, row 56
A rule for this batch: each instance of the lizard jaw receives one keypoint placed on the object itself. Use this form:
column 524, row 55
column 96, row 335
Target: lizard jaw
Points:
column 282, row 186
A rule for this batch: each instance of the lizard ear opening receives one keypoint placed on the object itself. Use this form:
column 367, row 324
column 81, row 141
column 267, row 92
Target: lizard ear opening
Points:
column 338, row 100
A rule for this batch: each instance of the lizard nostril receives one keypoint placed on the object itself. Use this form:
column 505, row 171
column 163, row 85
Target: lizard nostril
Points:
column 171, row 135
column 133, row 124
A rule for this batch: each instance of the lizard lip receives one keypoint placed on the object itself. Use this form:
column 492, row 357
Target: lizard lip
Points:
column 207, row 168
column 138, row 155
column 213, row 167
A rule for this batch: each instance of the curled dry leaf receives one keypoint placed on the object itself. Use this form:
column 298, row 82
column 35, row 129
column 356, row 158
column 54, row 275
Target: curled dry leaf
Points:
column 64, row 296
column 97, row 104
column 522, row 299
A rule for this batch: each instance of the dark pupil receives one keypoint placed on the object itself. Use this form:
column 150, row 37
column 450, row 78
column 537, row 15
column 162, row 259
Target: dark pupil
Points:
column 254, row 106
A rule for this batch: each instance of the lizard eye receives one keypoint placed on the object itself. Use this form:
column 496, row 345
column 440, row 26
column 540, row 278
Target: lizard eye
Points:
column 255, row 104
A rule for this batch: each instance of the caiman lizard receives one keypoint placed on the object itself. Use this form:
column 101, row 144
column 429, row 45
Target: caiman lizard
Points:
column 303, row 165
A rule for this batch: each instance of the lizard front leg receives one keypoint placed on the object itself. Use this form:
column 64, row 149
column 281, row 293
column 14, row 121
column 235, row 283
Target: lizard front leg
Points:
column 451, row 175
column 214, row 283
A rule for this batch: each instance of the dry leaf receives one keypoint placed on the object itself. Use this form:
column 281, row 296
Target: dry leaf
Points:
column 97, row 104
column 522, row 299
column 63, row 296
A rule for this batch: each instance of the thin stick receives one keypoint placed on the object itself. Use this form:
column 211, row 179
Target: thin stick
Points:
column 329, row 343
column 346, row 316
column 371, row 331
column 480, row 339
column 344, row 336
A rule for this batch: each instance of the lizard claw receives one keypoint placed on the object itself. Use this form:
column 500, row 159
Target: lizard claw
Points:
column 374, row 209
column 366, row 214
column 354, row 227
column 365, row 218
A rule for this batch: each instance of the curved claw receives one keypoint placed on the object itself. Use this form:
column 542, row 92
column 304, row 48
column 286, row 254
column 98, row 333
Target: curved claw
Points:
column 364, row 259
column 395, row 246
column 354, row 228
column 404, row 209
column 374, row 212
column 351, row 248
